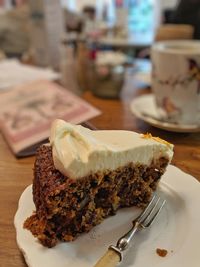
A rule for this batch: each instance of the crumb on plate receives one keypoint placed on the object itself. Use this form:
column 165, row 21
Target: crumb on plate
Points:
column 161, row 252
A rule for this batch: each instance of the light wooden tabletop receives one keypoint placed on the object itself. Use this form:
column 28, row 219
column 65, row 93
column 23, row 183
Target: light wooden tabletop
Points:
column 16, row 174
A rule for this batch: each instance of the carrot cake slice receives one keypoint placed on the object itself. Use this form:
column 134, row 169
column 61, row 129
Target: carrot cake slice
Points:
column 83, row 176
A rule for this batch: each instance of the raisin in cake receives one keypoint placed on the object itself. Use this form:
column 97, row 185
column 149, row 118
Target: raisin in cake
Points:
column 83, row 176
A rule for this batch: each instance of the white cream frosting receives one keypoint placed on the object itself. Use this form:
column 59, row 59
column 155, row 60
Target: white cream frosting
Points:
column 78, row 151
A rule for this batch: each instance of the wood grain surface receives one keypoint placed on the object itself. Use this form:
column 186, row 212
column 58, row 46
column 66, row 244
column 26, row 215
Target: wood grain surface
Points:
column 16, row 174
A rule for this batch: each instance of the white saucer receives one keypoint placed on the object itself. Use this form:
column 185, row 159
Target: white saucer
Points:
column 176, row 229
column 143, row 107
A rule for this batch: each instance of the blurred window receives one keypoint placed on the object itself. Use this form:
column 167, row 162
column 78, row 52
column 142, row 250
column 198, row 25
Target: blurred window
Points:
column 141, row 16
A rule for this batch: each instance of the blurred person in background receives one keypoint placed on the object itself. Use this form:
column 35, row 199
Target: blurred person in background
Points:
column 73, row 21
column 14, row 29
column 188, row 12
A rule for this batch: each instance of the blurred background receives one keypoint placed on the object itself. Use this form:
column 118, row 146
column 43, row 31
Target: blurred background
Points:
column 23, row 21
column 88, row 42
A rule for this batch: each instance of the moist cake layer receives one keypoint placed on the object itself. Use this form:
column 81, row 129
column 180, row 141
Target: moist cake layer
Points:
column 66, row 207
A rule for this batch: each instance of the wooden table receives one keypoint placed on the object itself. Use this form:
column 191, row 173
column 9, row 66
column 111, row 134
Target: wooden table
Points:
column 16, row 174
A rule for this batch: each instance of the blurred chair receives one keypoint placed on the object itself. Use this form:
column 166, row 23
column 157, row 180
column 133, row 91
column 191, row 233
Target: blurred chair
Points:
column 174, row 32
column 170, row 32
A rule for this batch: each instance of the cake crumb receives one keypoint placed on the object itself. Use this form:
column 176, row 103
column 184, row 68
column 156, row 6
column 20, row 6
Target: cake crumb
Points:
column 161, row 252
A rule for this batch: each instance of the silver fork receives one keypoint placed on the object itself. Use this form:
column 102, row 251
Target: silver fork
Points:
column 114, row 254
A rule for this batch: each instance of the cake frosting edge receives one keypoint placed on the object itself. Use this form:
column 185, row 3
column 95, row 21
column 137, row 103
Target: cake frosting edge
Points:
column 78, row 151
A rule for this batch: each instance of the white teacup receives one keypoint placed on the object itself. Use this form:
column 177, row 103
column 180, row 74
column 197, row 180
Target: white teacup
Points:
column 176, row 80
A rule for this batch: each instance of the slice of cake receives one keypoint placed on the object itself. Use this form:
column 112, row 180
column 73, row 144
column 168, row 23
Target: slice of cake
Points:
column 83, row 176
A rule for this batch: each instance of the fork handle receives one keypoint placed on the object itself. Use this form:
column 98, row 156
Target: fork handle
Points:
column 110, row 259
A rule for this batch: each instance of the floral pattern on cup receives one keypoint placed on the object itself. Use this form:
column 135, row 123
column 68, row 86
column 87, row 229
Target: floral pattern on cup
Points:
column 193, row 74
column 176, row 80
column 170, row 107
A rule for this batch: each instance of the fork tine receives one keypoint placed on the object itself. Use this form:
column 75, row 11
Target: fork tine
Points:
column 150, row 211
column 139, row 218
column 156, row 214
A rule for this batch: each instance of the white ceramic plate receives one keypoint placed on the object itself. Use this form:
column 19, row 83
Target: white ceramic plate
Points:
column 176, row 229
column 143, row 107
